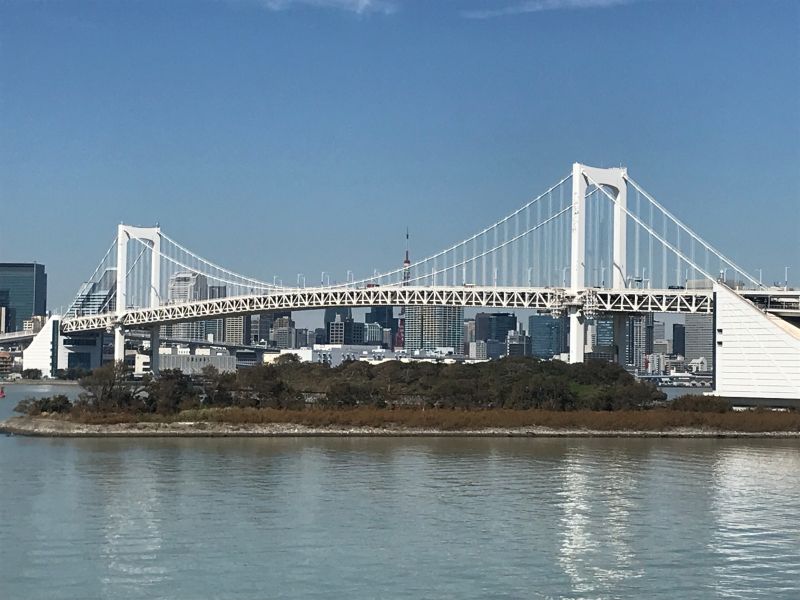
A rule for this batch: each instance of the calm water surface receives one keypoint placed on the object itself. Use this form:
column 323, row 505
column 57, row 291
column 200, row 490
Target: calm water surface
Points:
column 397, row 518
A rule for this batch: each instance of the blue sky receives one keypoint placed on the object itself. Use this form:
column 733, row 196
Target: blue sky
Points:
column 286, row 136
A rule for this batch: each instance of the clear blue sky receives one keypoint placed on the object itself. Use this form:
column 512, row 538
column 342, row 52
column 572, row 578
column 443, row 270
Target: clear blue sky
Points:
column 285, row 136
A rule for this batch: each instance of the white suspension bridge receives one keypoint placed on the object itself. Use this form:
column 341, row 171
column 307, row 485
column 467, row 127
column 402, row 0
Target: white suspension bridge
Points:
column 595, row 243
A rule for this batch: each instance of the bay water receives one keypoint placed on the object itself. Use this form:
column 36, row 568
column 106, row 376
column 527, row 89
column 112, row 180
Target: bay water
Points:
column 191, row 518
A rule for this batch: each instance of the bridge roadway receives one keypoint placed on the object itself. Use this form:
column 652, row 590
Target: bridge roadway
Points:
column 591, row 300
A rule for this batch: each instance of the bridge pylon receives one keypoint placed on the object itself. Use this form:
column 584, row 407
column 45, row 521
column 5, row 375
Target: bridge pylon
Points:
column 152, row 237
column 615, row 179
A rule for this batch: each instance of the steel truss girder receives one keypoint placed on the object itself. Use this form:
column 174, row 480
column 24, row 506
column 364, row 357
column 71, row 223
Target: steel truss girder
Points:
column 544, row 299
column 640, row 301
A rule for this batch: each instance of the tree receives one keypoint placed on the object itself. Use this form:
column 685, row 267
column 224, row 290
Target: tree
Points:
column 106, row 389
column 31, row 374
column 219, row 388
column 170, row 392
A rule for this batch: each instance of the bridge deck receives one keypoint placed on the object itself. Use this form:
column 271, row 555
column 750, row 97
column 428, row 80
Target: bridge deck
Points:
column 545, row 299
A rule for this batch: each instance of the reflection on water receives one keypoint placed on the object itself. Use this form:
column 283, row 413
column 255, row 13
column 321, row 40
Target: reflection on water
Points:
column 754, row 498
column 596, row 553
column 399, row 518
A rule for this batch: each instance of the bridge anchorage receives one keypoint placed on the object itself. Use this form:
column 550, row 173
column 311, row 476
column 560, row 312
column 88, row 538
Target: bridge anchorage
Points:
column 595, row 243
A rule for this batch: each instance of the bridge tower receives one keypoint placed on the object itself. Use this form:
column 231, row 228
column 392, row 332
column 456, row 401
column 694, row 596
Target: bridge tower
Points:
column 152, row 237
column 582, row 177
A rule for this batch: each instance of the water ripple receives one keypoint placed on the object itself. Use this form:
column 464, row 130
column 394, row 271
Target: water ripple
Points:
column 433, row 518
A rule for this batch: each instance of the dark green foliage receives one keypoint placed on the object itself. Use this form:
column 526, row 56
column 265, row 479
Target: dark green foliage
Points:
column 510, row 383
column 37, row 406
column 170, row 392
column 31, row 374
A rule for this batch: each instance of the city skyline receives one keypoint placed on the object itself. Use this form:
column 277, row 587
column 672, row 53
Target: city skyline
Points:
column 116, row 132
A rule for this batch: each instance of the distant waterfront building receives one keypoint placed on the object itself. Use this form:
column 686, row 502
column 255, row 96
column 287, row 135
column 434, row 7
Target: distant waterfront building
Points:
column 23, row 292
column 548, row 335
column 431, row 327
column 656, row 363
column 477, row 350
column 183, row 360
column 699, row 334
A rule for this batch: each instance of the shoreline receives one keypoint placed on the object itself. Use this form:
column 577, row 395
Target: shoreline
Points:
column 42, row 427
column 53, row 382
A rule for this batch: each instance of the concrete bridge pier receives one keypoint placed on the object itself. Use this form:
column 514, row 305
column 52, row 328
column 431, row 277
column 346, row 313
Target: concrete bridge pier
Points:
column 119, row 343
column 577, row 334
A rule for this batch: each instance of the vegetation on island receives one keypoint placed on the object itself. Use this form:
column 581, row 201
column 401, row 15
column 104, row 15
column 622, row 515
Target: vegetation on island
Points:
column 512, row 392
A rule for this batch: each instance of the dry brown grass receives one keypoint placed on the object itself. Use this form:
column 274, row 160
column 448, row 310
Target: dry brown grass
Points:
column 455, row 420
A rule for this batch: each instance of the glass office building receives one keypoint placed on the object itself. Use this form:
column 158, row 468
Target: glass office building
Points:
column 23, row 292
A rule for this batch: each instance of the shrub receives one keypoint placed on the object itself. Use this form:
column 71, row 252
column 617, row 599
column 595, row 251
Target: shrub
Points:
column 694, row 403
column 37, row 406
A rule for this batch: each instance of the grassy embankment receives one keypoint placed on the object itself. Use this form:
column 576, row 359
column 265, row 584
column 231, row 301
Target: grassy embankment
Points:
column 658, row 419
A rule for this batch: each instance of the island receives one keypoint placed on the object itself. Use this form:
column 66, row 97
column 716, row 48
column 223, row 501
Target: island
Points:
column 508, row 397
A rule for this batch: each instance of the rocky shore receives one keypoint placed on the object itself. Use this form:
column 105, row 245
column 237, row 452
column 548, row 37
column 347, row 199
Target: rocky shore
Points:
column 45, row 427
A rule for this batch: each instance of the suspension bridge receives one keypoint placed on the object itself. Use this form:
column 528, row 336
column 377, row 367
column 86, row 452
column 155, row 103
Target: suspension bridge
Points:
column 595, row 243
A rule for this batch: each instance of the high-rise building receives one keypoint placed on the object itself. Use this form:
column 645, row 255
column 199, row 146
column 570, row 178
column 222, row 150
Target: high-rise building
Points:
column 266, row 322
column 469, row 330
column 96, row 296
column 603, row 347
column 23, row 292
column 430, row 327
column 284, row 336
column 215, row 328
column 477, row 350
column 518, row 344
column 548, row 335
column 374, row 333
column 640, row 340
column 679, row 339
column 659, row 330
column 383, row 316
column 346, row 331
column 343, row 312
column 237, row 330
column 699, row 337
column 494, row 326
column 188, row 286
